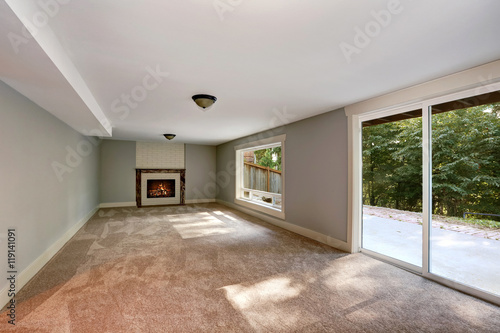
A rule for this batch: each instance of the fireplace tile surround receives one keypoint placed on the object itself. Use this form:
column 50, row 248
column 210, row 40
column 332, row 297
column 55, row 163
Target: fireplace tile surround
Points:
column 141, row 189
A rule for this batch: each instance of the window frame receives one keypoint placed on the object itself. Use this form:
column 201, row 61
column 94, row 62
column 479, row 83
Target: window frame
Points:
column 239, row 180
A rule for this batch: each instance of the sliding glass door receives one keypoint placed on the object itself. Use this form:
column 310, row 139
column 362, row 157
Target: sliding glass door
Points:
column 465, row 233
column 392, row 186
column 430, row 189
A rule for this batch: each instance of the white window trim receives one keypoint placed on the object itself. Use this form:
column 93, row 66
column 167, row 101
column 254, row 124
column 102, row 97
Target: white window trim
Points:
column 262, row 142
column 255, row 145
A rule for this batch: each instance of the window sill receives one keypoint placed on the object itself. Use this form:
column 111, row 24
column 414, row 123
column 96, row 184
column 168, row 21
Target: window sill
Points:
column 261, row 208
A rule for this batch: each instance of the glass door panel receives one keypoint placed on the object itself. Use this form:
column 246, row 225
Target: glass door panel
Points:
column 465, row 233
column 392, row 186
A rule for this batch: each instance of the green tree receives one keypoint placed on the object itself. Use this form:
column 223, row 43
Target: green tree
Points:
column 269, row 157
column 407, row 193
column 379, row 142
column 465, row 159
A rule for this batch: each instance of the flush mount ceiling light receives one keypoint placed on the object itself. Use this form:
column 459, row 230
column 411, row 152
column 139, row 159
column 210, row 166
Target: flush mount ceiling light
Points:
column 169, row 136
column 204, row 101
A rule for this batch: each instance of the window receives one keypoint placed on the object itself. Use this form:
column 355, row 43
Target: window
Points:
column 260, row 177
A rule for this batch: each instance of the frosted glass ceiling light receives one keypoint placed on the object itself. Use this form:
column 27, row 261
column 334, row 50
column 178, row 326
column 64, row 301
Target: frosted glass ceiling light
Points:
column 204, row 101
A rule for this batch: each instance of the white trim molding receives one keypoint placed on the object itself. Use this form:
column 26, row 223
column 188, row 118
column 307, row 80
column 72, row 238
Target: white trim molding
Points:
column 117, row 204
column 197, row 201
column 29, row 272
column 262, row 142
column 261, row 208
column 354, row 178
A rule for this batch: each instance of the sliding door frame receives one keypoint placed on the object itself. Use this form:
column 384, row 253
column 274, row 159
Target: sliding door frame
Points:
column 427, row 142
column 355, row 123
column 359, row 162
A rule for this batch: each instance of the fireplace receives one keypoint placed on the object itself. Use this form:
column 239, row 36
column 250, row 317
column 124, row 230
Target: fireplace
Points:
column 161, row 188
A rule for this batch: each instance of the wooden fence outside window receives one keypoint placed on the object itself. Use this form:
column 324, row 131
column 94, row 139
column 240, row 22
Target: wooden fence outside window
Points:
column 258, row 177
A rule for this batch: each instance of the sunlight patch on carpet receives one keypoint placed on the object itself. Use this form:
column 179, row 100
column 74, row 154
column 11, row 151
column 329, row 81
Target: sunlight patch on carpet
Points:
column 270, row 304
column 218, row 212
column 199, row 225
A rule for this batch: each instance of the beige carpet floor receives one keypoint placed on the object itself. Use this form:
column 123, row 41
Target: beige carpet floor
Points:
column 207, row 268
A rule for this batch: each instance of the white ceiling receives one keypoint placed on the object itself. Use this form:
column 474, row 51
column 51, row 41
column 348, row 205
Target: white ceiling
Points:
column 260, row 58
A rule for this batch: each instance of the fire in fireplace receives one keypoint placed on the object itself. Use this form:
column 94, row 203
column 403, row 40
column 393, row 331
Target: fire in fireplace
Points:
column 161, row 188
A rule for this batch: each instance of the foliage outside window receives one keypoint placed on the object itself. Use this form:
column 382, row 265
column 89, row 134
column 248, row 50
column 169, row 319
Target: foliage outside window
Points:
column 465, row 160
column 270, row 157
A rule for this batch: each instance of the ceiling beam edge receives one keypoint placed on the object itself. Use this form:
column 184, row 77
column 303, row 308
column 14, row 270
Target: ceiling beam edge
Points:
column 50, row 44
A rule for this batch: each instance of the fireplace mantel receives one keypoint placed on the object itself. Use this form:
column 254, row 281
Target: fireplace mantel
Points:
column 138, row 183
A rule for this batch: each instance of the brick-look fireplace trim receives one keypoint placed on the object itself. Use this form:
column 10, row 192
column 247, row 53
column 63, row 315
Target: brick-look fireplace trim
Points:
column 138, row 182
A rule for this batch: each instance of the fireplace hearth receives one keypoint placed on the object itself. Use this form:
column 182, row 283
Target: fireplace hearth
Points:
column 160, row 187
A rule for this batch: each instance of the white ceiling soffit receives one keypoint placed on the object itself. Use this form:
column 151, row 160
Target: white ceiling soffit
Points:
column 268, row 62
column 38, row 67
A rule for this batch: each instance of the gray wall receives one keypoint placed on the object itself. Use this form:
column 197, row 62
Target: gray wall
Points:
column 33, row 199
column 315, row 172
column 117, row 171
column 200, row 172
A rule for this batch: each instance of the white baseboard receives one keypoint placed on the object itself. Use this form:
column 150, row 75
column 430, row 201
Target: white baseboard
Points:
column 195, row 201
column 133, row 203
column 117, row 204
column 333, row 242
column 29, row 272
